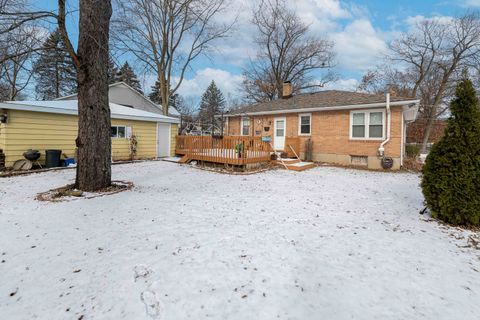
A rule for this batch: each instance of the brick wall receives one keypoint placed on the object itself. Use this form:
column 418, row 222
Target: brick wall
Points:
column 330, row 133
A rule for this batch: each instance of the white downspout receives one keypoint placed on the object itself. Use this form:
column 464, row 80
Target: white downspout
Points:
column 403, row 140
column 381, row 149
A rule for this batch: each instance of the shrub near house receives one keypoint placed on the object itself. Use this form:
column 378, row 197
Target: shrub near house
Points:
column 451, row 176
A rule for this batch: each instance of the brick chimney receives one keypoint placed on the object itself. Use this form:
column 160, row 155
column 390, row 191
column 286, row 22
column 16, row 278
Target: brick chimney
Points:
column 393, row 92
column 287, row 90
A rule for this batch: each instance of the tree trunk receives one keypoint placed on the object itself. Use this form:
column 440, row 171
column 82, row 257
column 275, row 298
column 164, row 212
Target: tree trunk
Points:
column 165, row 94
column 93, row 141
column 426, row 135
column 57, row 81
column 429, row 124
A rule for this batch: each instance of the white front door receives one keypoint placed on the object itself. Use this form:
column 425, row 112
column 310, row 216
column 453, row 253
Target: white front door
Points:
column 163, row 140
column 279, row 138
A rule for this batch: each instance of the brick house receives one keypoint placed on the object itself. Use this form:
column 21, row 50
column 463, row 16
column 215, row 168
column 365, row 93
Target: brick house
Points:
column 347, row 128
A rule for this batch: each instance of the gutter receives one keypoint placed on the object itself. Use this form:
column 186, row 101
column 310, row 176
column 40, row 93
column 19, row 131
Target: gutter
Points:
column 346, row 107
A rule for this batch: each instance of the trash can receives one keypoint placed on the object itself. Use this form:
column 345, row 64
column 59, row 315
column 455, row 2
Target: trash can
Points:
column 2, row 160
column 52, row 158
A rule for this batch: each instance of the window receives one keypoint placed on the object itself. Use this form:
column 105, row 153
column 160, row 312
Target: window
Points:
column 367, row 124
column 376, row 125
column 245, row 126
column 280, row 128
column 358, row 125
column 359, row 160
column 119, row 131
column 304, row 124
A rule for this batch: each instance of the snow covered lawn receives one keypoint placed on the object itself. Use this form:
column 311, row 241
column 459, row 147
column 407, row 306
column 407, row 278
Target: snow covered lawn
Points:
column 327, row 243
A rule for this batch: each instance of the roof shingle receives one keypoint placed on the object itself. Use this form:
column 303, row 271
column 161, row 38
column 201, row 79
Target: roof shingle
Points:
column 329, row 98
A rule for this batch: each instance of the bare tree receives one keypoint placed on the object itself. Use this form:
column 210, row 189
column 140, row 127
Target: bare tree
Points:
column 428, row 61
column 167, row 35
column 20, row 37
column 17, row 71
column 287, row 52
column 17, row 21
column 259, row 82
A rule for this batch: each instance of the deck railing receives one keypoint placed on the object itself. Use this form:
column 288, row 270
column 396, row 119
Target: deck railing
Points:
column 293, row 142
column 235, row 150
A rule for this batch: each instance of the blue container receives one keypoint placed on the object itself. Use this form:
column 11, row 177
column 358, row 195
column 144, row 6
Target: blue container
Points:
column 267, row 139
column 69, row 161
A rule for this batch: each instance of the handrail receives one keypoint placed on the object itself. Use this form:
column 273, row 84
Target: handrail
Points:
column 281, row 160
column 293, row 150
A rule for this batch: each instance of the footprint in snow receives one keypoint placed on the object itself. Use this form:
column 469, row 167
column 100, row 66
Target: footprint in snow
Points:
column 149, row 297
column 141, row 271
column 152, row 304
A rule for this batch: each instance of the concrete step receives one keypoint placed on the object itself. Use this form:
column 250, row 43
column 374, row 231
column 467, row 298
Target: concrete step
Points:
column 300, row 166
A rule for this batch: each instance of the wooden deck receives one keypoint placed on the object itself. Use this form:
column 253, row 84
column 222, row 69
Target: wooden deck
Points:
column 233, row 150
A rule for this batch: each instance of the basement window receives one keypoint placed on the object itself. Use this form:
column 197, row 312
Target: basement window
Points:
column 367, row 125
column 359, row 160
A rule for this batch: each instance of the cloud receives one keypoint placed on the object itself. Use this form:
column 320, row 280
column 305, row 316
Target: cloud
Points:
column 470, row 3
column 226, row 81
column 412, row 21
column 359, row 46
column 194, row 87
column 322, row 16
column 343, row 84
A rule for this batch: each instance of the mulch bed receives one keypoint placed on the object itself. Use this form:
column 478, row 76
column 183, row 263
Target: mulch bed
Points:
column 69, row 193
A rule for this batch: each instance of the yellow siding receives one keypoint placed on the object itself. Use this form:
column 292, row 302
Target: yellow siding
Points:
column 2, row 136
column 41, row 131
column 146, row 133
column 173, row 138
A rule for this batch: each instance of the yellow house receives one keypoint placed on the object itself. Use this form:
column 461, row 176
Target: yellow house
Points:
column 43, row 125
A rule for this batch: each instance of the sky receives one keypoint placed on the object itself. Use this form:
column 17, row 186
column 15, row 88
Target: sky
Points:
column 361, row 31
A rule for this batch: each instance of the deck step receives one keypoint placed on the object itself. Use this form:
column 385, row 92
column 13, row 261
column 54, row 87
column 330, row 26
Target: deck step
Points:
column 171, row 159
column 184, row 159
column 287, row 161
column 300, row 166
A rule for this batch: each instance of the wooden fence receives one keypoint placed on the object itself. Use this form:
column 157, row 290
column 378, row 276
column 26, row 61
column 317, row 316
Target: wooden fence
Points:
column 234, row 150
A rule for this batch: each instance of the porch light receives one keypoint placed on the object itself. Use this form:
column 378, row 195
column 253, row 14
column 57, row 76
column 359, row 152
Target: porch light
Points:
column 3, row 118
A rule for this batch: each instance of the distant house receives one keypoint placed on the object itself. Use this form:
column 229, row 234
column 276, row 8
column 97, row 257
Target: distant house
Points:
column 43, row 125
column 348, row 128
column 122, row 94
